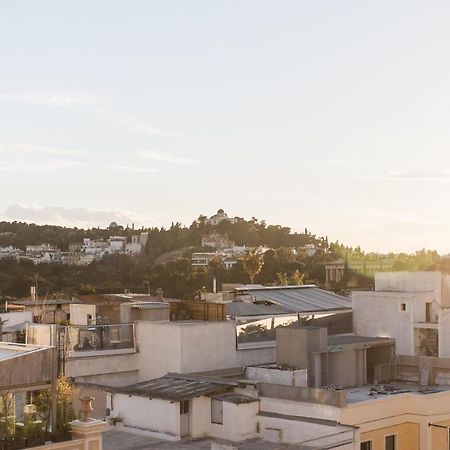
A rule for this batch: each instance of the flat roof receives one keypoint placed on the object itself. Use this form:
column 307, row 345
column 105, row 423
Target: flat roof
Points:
column 13, row 350
column 300, row 299
column 45, row 302
column 342, row 339
column 149, row 305
column 375, row 392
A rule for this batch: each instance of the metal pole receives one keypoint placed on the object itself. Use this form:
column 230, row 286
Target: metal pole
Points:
column 54, row 344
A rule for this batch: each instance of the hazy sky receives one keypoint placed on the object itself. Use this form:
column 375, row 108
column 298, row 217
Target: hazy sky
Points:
column 331, row 115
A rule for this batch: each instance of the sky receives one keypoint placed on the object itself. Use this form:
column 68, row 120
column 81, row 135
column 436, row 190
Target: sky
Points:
column 321, row 114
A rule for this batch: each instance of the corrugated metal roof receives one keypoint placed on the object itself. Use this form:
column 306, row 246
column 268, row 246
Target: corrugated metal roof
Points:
column 302, row 299
column 240, row 309
column 235, row 397
column 175, row 388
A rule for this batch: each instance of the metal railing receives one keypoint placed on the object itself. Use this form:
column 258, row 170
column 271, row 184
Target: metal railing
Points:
column 92, row 338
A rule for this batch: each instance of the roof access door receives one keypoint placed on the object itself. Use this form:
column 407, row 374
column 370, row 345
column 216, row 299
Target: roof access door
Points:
column 184, row 418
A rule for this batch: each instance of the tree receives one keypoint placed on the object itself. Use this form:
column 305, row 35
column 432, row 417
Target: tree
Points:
column 282, row 279
column 253, row 263
column 297, row 278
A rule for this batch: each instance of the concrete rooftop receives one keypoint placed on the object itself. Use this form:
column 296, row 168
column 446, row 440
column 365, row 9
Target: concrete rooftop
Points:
column 12, row 350
column 362, row 393
column 121, row 440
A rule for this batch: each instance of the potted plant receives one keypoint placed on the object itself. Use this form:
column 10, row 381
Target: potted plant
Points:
column 63, row 433
column 15, row 441
column 34, row 434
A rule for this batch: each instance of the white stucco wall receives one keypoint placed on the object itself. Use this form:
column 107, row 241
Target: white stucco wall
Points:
column 239, row 421
column 409, row 282
column 444, row 333
column 79, row 314
column 156, row 417
column 192, row 347
column 159, row 346
column 379, row 314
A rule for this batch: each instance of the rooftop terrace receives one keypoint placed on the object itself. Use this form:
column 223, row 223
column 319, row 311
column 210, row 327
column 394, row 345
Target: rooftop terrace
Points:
column 373, row 392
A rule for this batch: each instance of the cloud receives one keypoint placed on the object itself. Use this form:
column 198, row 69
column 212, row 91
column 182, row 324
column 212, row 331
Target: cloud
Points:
column 437, row 174
column 19, row 165
column 163, row 157
column 133, row 124
column 336, row 162
column 79, row 217
column 95, row 104
column 60, row 99
column 131, row 169
column 35, row 149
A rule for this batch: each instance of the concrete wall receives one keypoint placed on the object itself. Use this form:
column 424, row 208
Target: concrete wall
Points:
column 342, row 367
column 239, row 421
column 129, row 313
column 114, row 364
column 379, row 314
column 79, row 314
column 192, row 347
column 159, row 346
column 30, row 368
column 336, row 398
column 275, row 376
column 409, row 282
column 295, row 344
column 159, row 418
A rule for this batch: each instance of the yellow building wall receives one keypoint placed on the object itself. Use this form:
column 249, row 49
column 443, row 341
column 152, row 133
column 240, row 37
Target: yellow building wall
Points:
column 407, row 436
column 439, row 436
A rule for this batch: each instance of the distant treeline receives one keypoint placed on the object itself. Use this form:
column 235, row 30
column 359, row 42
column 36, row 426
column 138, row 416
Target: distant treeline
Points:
column 178, row 279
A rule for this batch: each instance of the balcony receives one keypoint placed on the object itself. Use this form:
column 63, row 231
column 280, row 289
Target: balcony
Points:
column 96, row 340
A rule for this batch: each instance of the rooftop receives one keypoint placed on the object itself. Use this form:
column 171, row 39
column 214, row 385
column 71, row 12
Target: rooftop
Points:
column 60, row 301
column 373, row 392
column 300, row 299
column 342, row 339
column 176, row 387
column 10, row 350
column 241, row 309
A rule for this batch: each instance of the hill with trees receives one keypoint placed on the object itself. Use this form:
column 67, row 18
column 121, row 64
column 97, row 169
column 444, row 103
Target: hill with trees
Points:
column 285, row 262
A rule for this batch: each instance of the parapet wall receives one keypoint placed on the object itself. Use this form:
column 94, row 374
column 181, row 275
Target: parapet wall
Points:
column 304, row 394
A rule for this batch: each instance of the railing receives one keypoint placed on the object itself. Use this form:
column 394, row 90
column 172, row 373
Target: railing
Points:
column 91, row 338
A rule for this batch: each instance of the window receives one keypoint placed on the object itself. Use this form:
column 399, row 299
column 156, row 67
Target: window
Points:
column 390, row 442
column 403, row 306
column 184, row 407
column 367, row 445
column 217, row 411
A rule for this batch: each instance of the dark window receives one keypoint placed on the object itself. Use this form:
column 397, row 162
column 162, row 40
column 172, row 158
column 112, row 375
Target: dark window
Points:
column 403, row 306
column 184, row 407
column 390, row 442
column 367, row 445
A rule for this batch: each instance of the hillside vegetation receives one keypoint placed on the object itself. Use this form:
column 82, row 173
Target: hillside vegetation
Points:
column 115, row 273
